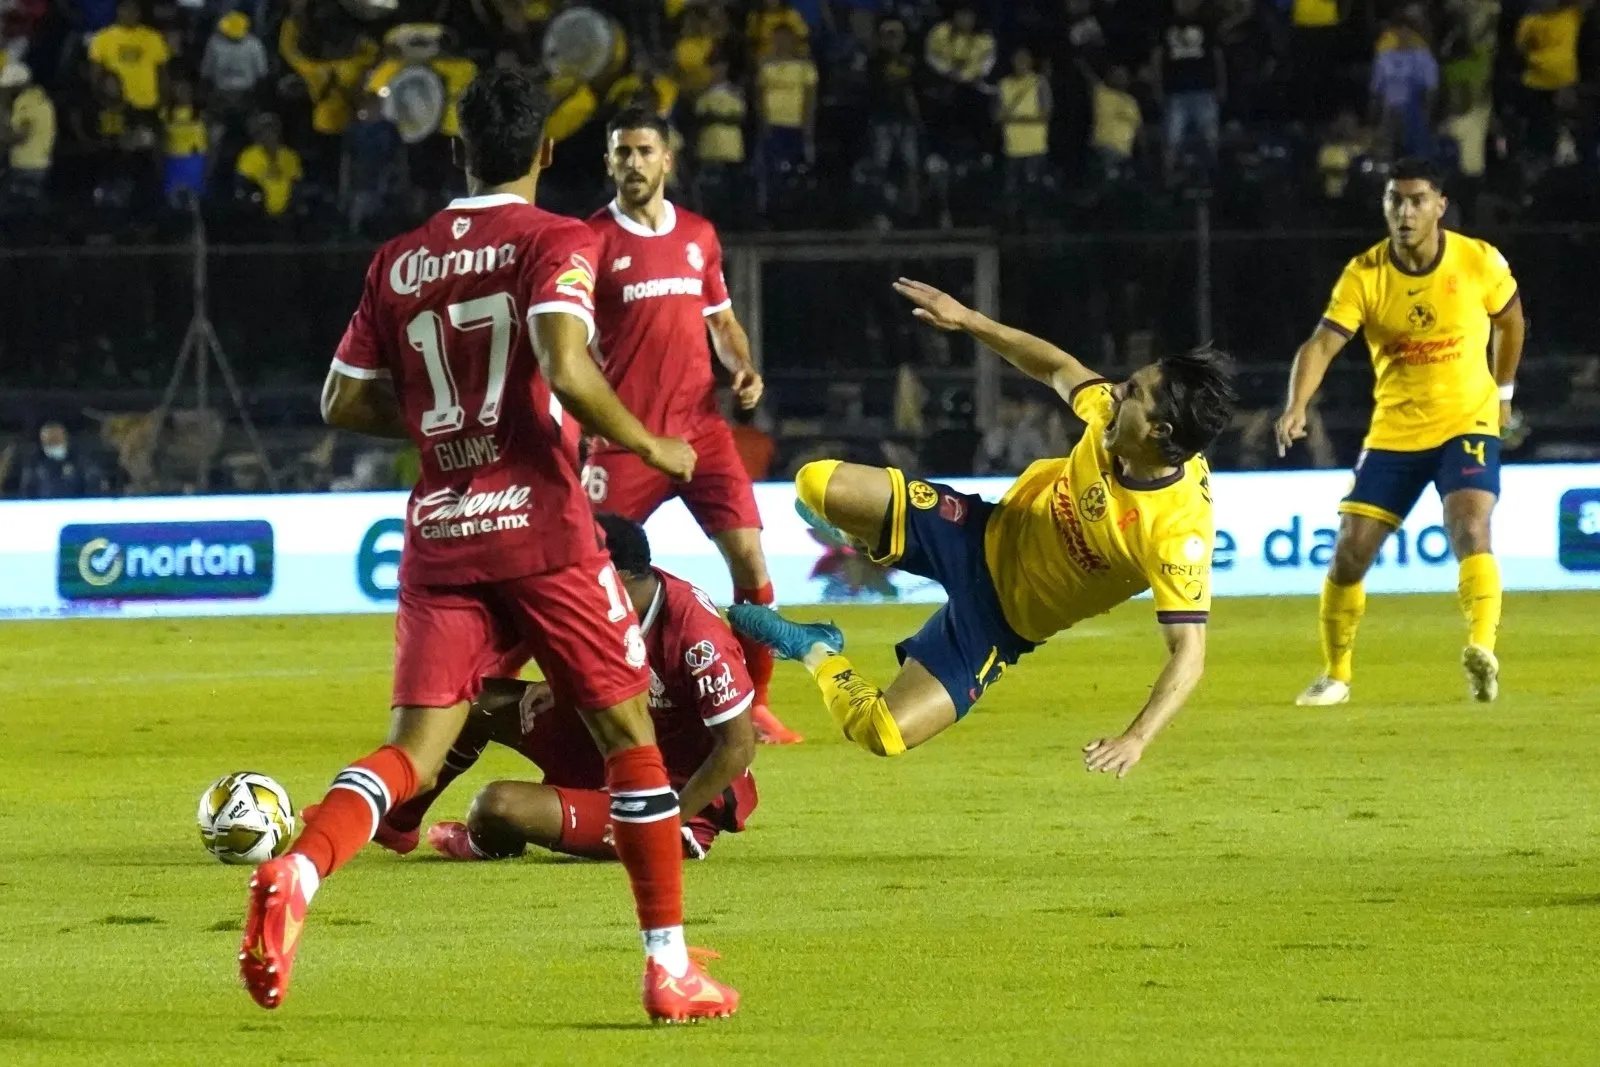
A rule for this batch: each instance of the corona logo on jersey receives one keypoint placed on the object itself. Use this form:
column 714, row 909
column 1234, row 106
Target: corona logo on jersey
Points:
column 420, row 267
column 662, row 287
column 435, row 515
column 165, row 561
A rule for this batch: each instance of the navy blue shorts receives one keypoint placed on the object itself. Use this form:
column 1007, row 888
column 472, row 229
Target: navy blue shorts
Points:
column 1388, row 484
column 937, row 533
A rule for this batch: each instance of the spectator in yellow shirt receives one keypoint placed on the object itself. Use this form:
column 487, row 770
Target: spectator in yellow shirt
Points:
column 961, row 57
column 644, row 86
column 764, row 23
column 27, row 132
column 1022, row 108
column 1547, row 39
column 720, row 111
column 1116, row 118
column 787, row 82
column 333, row 82
column 692, row 55
column 136, row 54
column 576, row 105
column 271, row 168
column 186, row 145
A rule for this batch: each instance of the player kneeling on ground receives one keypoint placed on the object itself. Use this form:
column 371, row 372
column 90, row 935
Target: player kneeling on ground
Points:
column 700, row 697
column 1128, row 510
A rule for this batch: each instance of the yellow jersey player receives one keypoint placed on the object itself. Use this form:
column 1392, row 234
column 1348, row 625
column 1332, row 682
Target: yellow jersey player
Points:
column 1129, row 509
column 1444, row 325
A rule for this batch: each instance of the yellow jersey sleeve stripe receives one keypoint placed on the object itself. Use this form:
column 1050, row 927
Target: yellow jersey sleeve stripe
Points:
column 1337, row 328
column 1178, row 618
column 1370, row 511
column 1516, row 294
column 897, row 519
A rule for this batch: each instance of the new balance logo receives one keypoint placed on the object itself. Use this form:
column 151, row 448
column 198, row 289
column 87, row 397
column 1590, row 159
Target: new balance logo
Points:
column 621, row 263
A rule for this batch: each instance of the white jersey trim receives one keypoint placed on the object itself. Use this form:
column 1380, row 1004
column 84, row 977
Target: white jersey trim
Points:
column 363, row 374
column 717, row 309
column 732, row 713
column 656, row 601
column 669, row 220
column 471, row 203
column 551, row 307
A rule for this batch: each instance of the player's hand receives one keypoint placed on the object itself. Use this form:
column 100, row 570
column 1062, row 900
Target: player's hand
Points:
column 691, row 847
column 672, row 456
column 935, row 307
column 1291, row 427
column 748, row 387
column 1113, row 755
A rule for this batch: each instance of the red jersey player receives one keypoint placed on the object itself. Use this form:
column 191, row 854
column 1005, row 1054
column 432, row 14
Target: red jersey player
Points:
column 699, row 698
column 659, row 286
column 471, row 340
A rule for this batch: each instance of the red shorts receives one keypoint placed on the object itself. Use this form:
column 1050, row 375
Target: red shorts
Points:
column 579, row 629
column 586, row 819
column 719, row 496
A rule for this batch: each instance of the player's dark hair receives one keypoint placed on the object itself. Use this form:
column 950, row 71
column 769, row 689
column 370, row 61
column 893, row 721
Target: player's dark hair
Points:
column 1417, row 169
column 502, row 116
column 625, row 540
column 639, row 118
column 1196, row 398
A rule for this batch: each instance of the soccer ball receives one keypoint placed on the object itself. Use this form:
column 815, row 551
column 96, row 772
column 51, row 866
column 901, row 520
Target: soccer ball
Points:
column 246, row 817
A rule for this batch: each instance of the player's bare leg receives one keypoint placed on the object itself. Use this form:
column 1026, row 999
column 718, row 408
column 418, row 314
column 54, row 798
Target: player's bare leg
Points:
column 644, row 819
column 747, row 564
column 1466, row 519
column 345, row 820
column 505, row 818
column 1344, row 601
column 852, row 497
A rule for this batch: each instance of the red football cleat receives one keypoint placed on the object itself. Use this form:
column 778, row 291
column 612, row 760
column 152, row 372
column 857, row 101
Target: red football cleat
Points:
column 770, row 729
column 689, row 999
column 272, row 926
column 451, row 840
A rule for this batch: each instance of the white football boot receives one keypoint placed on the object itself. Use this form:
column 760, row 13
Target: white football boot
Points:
column 1324, row 693
column 1483, row 673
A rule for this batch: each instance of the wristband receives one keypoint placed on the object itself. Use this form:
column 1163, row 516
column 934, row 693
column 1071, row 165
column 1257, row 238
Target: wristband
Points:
column 1507, row 389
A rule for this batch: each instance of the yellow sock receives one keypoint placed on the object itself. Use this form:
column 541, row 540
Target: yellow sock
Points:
column 1478, row 589
column 858, row 707
column 1341, row 611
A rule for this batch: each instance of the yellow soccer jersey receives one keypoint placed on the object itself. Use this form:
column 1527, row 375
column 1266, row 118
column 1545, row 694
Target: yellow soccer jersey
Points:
column 1429, row 338
column 1073, row 538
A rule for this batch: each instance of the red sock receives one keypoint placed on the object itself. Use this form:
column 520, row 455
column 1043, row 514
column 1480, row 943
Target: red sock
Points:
column 757, row 657
column 349, row 814
column 407, row 816
column 644, row 822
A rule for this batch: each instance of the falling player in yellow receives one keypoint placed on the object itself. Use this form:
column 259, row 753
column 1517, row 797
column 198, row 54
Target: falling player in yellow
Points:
column 1128, row 510
column 1444, row 324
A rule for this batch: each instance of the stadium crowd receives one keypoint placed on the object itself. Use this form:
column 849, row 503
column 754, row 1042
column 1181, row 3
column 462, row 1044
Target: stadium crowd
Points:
column 316, row 119
column 313, row 122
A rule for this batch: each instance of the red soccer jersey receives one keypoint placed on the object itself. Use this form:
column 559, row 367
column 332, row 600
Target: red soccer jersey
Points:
column 697, row 674
column 652, row 294
column 447, row 314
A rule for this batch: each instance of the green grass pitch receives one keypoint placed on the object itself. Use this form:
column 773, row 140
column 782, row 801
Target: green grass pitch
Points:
column 1411, row 879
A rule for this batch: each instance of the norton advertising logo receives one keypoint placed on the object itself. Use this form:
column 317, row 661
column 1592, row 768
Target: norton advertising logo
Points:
column 165, row 561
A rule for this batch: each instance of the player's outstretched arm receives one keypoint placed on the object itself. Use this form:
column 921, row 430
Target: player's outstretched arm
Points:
column 1311, row 363
column 362, row 405
column 1033, row 356
column 561, row 342
column 733, row 750
column 1186, row 663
